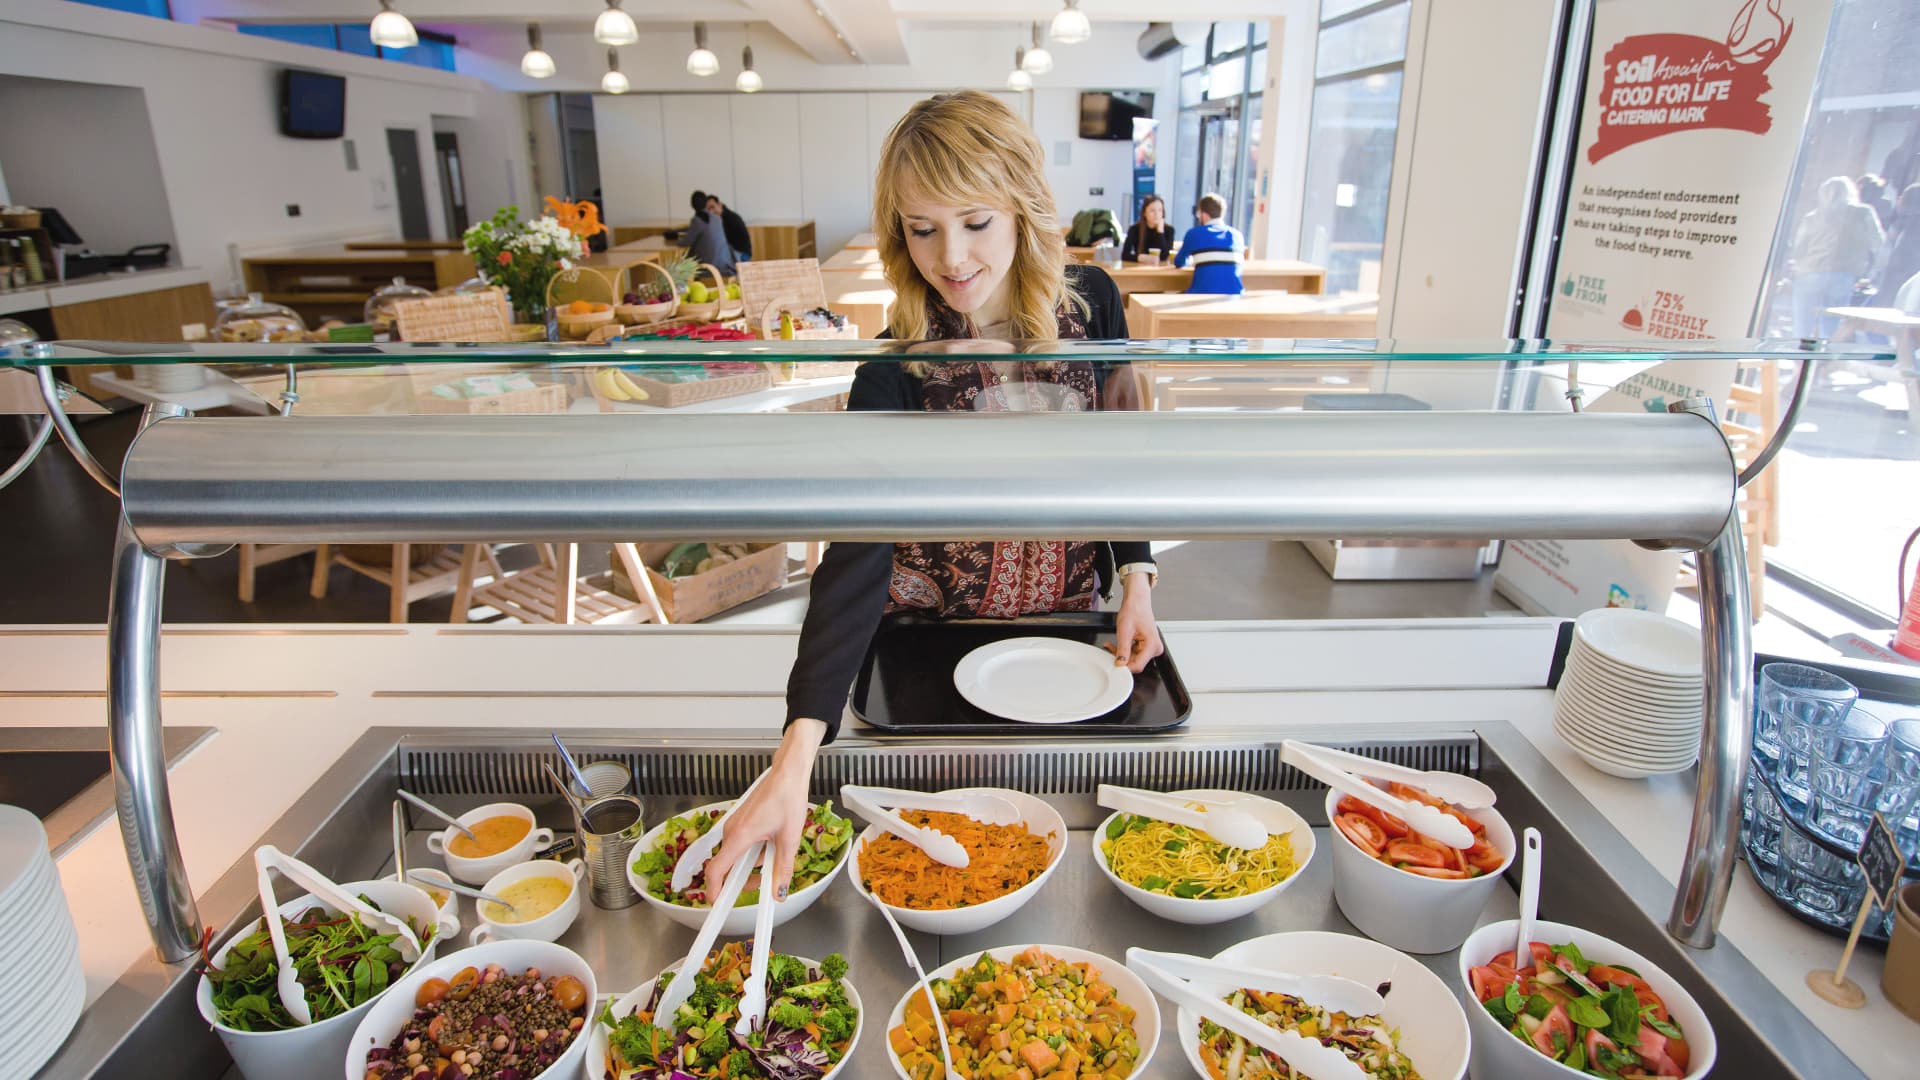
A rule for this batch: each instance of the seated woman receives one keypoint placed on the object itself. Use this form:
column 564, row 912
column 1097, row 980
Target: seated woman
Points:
column 706, row 239
column 1151, row 233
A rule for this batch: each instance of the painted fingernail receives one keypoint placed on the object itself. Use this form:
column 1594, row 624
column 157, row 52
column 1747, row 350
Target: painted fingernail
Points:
column 780, row 893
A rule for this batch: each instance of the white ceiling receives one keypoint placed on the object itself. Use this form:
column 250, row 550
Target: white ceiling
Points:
column 828, row 31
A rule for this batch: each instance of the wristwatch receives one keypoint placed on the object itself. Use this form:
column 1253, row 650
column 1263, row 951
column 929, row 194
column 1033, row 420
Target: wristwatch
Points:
column 1147, row 568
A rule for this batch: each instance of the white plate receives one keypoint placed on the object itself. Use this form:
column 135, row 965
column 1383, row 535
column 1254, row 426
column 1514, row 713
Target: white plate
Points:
column 1583, row 655
column 1643, row 640
column 1599, row 688
column 1432, row 1026
column 1623, row 744
column 23, row 847
column 1042, row 680
column 1615, row 766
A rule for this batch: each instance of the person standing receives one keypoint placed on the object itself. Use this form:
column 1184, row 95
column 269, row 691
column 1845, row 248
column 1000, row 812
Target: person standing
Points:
column 1833, row 248
column 739, row 237
column 705, row 239
column 1902, row 259
column 1213, row 247
column 1150, row 233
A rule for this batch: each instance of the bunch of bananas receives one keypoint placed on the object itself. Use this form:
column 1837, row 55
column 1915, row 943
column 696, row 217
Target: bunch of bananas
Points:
column 614, row 385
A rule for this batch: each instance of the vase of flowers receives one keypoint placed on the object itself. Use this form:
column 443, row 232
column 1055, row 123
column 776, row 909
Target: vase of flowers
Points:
column 523, row 256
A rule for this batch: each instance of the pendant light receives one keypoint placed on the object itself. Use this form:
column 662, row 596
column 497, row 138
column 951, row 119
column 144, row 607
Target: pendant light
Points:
column 615, row 27
column 392, row 30
column 1018, row 79
column 701, row 61
column 1070, row 26
column 536, row 64
column 613, row 82
column 1039, row 61
column 748, row 81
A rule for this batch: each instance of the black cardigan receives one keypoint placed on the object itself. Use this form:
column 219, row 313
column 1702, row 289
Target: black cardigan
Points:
column 1140, row 238
column 739, row 237
column 848, row 594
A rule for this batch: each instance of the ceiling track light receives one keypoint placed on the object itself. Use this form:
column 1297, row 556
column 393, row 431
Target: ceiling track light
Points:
column 1070, row 25
column 392, row 30
column 613, row 82
column 537, row 64
column 1018, row 79
column 838, row 35
column 748, row 81
column 701, row 62
column 615, row 27
column 1039, row 60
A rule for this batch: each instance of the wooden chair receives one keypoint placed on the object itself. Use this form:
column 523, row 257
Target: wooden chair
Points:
column 255, row 556
column 553, row 591
column 1749, row 418
column 405, row 581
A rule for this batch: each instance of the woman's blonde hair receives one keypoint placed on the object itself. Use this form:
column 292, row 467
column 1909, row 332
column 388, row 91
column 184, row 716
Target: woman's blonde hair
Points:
column 969, row 148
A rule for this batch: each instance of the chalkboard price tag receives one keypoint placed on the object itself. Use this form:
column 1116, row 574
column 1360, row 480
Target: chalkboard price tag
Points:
column 1880, row 860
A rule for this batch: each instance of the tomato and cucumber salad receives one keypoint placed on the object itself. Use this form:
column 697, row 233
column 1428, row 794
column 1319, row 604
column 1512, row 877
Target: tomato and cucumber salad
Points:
column 1598, row 1019
column 1386, row 838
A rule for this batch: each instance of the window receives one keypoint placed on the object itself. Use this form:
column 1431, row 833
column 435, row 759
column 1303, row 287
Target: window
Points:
column 156, row 8
column 1358, row 65
column 434, row 51
column 1847, row 476
column 1218, row 107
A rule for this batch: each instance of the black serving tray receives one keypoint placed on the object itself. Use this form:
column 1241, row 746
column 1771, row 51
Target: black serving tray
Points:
column 905, row 686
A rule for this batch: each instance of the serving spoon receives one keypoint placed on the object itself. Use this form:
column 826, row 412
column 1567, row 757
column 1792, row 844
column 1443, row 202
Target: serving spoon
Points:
column 436, row 812
column 463, row 890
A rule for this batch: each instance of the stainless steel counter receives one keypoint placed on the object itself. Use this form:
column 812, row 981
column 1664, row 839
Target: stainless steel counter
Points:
column 1594, row 877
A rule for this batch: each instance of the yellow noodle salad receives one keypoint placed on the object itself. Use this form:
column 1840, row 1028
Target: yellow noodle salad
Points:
column 1173, row 860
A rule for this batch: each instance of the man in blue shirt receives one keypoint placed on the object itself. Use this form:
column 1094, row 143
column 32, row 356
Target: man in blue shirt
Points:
column 1214, row 249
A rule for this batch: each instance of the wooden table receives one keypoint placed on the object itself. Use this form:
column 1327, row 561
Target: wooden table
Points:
column 783, row 239
column 407, row 245
column 640, row 230
column 852, row 259
column 610, row 262
column 1904, row 329
column 864, row 302
column 1258, row 275
column 863, row 240
column 335, row 282
column 1248, row 315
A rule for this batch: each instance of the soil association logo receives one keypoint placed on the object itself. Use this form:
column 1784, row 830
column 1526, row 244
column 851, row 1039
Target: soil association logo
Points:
column 1661, row 84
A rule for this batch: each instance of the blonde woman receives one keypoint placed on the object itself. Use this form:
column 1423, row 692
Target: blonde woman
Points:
column 966, row 229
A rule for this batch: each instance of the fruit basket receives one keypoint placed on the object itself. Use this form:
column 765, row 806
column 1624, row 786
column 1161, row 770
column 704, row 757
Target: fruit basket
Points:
column 581, row 302
column 634, row 309
column 785, row 320
column 672, row 386
column 705, row 303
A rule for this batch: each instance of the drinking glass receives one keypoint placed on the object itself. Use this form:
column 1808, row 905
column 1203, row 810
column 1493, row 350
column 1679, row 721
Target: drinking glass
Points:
column 1794, row 701
column 1824, row 886
column 1900, row 788
column 1849, row 760
column 1762, row 821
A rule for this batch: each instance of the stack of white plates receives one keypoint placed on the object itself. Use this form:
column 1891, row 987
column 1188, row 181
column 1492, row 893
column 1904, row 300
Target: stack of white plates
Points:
column 1629, row 700
column 44, row 991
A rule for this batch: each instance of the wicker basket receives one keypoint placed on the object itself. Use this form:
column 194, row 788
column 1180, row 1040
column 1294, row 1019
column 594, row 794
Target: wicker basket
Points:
column 709, row 311
column 25, row 219
column 647, row 314
column 670, row 395
column 770, row 324
column 579, row 283
column 476, row 316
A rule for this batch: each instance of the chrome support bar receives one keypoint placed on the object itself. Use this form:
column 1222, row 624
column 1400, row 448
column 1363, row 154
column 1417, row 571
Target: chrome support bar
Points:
column 136, row 745
column 54, row 395
column 34, row 446
column 877, row 476
column 1726, row 731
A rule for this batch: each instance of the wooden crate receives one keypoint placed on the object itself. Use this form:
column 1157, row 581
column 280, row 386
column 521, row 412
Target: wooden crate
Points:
column 698, row 596
column 669, row 395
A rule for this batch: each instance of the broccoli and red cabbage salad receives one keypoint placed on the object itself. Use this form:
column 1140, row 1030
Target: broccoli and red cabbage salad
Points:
column 808, row 1028
column 1599, row 1019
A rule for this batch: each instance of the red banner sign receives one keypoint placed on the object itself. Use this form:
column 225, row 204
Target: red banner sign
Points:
column 1659, row 84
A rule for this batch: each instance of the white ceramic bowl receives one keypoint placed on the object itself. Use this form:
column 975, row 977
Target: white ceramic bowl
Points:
column 1127, row 987
column 545, row 928
column 1406, row 911
column 740, row 920
column 270, row 1055
column 1039, row 819
column 1277, row 817
column 1434, row 1032
column 475, row 871
column 1497, row 1053
column 449, row 905
column 393, row 1009
column 598, row 1067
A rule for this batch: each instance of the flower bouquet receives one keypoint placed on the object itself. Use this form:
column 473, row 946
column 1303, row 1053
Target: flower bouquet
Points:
column 523, row 256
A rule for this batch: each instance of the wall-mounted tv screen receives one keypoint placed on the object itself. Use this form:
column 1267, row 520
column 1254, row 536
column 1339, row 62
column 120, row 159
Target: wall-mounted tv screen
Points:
column 1109, row 114
column 312, row 105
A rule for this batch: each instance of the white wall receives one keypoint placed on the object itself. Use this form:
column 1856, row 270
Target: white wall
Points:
column 1286, row 116
column 87, row 150
column 1462, row 166
column 212, row 100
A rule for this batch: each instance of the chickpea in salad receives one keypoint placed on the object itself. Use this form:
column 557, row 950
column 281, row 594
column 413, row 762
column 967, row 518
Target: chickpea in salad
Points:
column 1367, row 1041
column 1032, row 1016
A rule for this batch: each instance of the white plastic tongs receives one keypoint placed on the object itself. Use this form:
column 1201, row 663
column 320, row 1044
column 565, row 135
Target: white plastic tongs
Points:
column 1168, row 975
column 1220, row 820
column 872, row 804
column 1421, row 818
column 1462, row 791
column 266, row 860
column 681, row 988
column 694, row 859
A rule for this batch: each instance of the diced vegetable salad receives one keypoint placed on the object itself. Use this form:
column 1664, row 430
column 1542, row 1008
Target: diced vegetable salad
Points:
column 1366, row 1041
column 1387, row 838
column 1599, row 1019
column 823, row 843
column 1033, row 1016
column 809, row 1024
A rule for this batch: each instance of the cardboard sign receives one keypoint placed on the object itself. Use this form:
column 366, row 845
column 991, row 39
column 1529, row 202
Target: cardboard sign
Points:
column 1880, row 860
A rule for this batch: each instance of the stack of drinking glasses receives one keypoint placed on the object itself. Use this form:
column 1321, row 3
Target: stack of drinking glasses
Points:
column 1822, row 766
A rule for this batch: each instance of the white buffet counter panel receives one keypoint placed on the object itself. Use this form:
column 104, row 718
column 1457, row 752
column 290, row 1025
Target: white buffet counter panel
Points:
column 288, row 700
